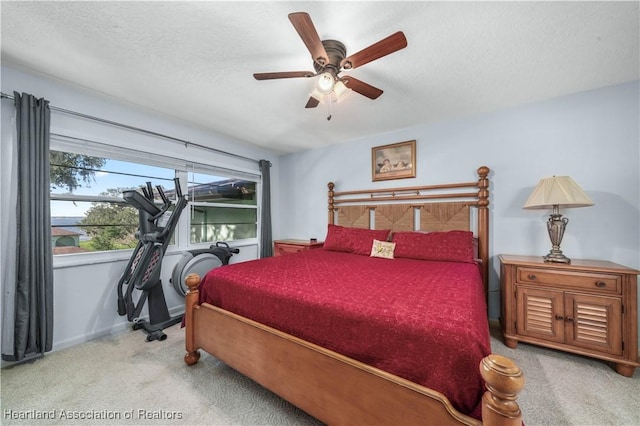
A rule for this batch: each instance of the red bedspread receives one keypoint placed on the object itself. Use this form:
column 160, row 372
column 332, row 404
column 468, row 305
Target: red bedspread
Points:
column 403, row 316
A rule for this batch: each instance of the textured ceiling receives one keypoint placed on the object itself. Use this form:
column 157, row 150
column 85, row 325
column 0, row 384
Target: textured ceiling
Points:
column 195, row 60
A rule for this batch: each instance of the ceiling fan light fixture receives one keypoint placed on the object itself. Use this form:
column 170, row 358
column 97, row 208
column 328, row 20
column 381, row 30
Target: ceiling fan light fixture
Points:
column 317, row 94
column 326, row 82
column 340, row 91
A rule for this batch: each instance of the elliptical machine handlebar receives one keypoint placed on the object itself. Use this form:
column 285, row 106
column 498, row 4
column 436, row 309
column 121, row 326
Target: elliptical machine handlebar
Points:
column 165, row 200
column 150, row 191
column 176, row 184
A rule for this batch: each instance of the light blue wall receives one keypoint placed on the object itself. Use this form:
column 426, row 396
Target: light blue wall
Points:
column 592, row 137
column 85, row 295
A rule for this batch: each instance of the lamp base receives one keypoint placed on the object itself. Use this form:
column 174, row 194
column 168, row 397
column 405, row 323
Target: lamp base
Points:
column 557, row 257
column 556, row 226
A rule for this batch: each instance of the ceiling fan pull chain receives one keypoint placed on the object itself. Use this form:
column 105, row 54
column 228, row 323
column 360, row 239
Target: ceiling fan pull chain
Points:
column 327, row 98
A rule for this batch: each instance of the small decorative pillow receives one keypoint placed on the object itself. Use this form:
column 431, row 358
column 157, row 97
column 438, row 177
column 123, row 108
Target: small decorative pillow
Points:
column 382, row 249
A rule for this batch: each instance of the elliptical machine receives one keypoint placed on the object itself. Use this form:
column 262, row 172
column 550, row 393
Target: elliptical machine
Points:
column 156, row 227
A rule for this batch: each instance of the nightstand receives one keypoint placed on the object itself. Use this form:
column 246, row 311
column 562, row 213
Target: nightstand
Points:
column 281, row 247
column 587, row 307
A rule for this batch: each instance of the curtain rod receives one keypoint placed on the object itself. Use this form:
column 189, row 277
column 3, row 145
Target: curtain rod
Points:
column 138, row 129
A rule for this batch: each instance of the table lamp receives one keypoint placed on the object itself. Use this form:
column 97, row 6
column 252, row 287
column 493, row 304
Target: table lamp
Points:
column 554, row 193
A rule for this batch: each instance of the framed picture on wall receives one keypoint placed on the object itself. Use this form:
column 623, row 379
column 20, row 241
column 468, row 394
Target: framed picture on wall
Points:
column 395, row 161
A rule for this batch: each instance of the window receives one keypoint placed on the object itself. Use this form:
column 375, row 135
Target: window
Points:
column 87, row 210
column 222, row 208
column 88, row 213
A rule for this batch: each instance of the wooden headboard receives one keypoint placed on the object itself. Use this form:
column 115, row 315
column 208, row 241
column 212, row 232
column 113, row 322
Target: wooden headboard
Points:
column 445, row 207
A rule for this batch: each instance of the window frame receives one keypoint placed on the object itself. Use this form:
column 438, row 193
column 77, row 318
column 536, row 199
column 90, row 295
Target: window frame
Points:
column 181, row 169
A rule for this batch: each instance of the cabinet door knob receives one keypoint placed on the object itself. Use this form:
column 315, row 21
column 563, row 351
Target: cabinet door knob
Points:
column 559, row 317
column 531, row 276
column 601, row 284
column 569, row 319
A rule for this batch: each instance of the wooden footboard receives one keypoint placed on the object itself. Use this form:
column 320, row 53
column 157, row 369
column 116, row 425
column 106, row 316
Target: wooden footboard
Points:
column 331, row 387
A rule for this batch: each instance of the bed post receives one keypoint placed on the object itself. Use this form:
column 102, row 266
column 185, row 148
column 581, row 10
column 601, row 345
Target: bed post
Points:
column 331, row 205
column 483, row 226
column 193, row 355
column 504, row 381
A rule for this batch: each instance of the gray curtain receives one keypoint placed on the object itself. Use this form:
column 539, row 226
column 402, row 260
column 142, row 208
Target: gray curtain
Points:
column 33, row 313
column 266, row 249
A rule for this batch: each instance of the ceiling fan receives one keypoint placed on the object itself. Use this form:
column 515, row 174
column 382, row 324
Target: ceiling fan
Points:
column 330, row 58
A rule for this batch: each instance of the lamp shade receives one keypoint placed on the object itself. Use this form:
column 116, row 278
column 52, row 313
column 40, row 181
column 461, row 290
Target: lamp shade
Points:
column 561, row 191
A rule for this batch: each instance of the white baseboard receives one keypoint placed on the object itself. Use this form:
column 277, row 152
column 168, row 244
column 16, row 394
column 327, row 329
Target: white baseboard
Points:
column 114, row 329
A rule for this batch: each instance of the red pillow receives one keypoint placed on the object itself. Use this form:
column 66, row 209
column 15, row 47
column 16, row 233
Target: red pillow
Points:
column 453, row 246
column 336, row 239
column 353, row 240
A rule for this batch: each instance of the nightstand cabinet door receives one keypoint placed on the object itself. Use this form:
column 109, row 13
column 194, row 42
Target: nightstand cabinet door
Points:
column 540, row 314
column 594, row 322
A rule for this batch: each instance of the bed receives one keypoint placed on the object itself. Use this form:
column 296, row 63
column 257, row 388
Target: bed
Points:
column 386, row 324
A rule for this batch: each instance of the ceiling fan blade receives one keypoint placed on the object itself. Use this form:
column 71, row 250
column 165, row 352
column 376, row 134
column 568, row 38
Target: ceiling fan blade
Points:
column 377, row 50
column 361, row 87
column 304, row 26
column 312, row 102
column 287, row 74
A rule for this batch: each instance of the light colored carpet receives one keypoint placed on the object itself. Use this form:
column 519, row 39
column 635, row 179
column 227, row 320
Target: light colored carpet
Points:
column 137, row 382
column 567, row 389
